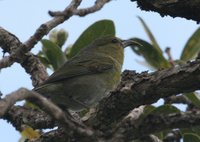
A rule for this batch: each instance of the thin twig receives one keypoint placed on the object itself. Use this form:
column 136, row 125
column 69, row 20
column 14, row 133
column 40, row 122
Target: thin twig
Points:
column 73, row 5
column 60, row 17
column 97, row 6
column 170, row 59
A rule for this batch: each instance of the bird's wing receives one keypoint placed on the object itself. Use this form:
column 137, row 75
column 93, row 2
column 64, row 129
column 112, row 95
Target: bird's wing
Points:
column 76, row 68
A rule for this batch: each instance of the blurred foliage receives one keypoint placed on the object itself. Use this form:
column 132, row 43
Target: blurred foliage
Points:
column 191, row 137
column 150, row 35
column 58, row 37
column 28, row 133
column 153, row 55
column 163, row 109
column 53, row 56
column 151, row 52
column 191, row 48
column 194, row 98
column 96, row 30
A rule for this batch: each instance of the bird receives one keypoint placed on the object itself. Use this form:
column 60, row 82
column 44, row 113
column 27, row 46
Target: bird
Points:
column 86, row 78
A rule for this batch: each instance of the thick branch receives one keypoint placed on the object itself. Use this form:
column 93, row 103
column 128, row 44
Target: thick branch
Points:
column 157, row 123
column 141, row 89
column 132, row 118
column 37, row 119
column 135, row 90
column 58, row 135
column 176, row 8
column 62, row 135
column 75, row 129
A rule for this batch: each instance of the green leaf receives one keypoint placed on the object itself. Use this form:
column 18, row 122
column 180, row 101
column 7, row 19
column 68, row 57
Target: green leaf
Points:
column 194, row 98
column 151, row 110
column 150, row 35
column 96, row 30
column 53, row 53
column 151, row 55
column 179, row 62
column 192, row 47
column 44, row 59
column 147, row 110
column 195, row 130
column 68, row 50
column 165, row 109
column 191, row 137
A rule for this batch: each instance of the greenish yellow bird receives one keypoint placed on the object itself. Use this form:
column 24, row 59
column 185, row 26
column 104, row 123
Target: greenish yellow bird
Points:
column 88, row 76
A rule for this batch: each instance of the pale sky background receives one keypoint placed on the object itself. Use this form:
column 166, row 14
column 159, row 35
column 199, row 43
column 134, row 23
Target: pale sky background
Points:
column 22, row 17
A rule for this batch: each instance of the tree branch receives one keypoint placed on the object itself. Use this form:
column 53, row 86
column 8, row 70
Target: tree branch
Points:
column 132, row 118
column 143, row 89
column 75, row 129
column 19, row 53
column 133, row 91
column 37, row 119
column 175, row 8
column 59, row 135
column 60, row 17
column 6, row 62
column 159, row 122
column 98, row 5
column 49, row 25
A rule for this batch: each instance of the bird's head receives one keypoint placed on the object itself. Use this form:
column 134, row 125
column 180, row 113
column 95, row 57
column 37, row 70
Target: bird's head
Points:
column 111, row 46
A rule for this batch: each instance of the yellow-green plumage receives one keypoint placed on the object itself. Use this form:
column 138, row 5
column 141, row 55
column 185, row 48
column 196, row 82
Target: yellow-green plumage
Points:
column 87, row 77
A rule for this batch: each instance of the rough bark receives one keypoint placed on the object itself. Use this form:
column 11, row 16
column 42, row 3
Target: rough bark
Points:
column 188, row 9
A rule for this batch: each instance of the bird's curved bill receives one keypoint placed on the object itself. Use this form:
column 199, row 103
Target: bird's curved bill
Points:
column 130, row 42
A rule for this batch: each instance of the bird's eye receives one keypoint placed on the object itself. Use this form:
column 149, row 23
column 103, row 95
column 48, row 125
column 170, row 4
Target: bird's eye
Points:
column 115, row 41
